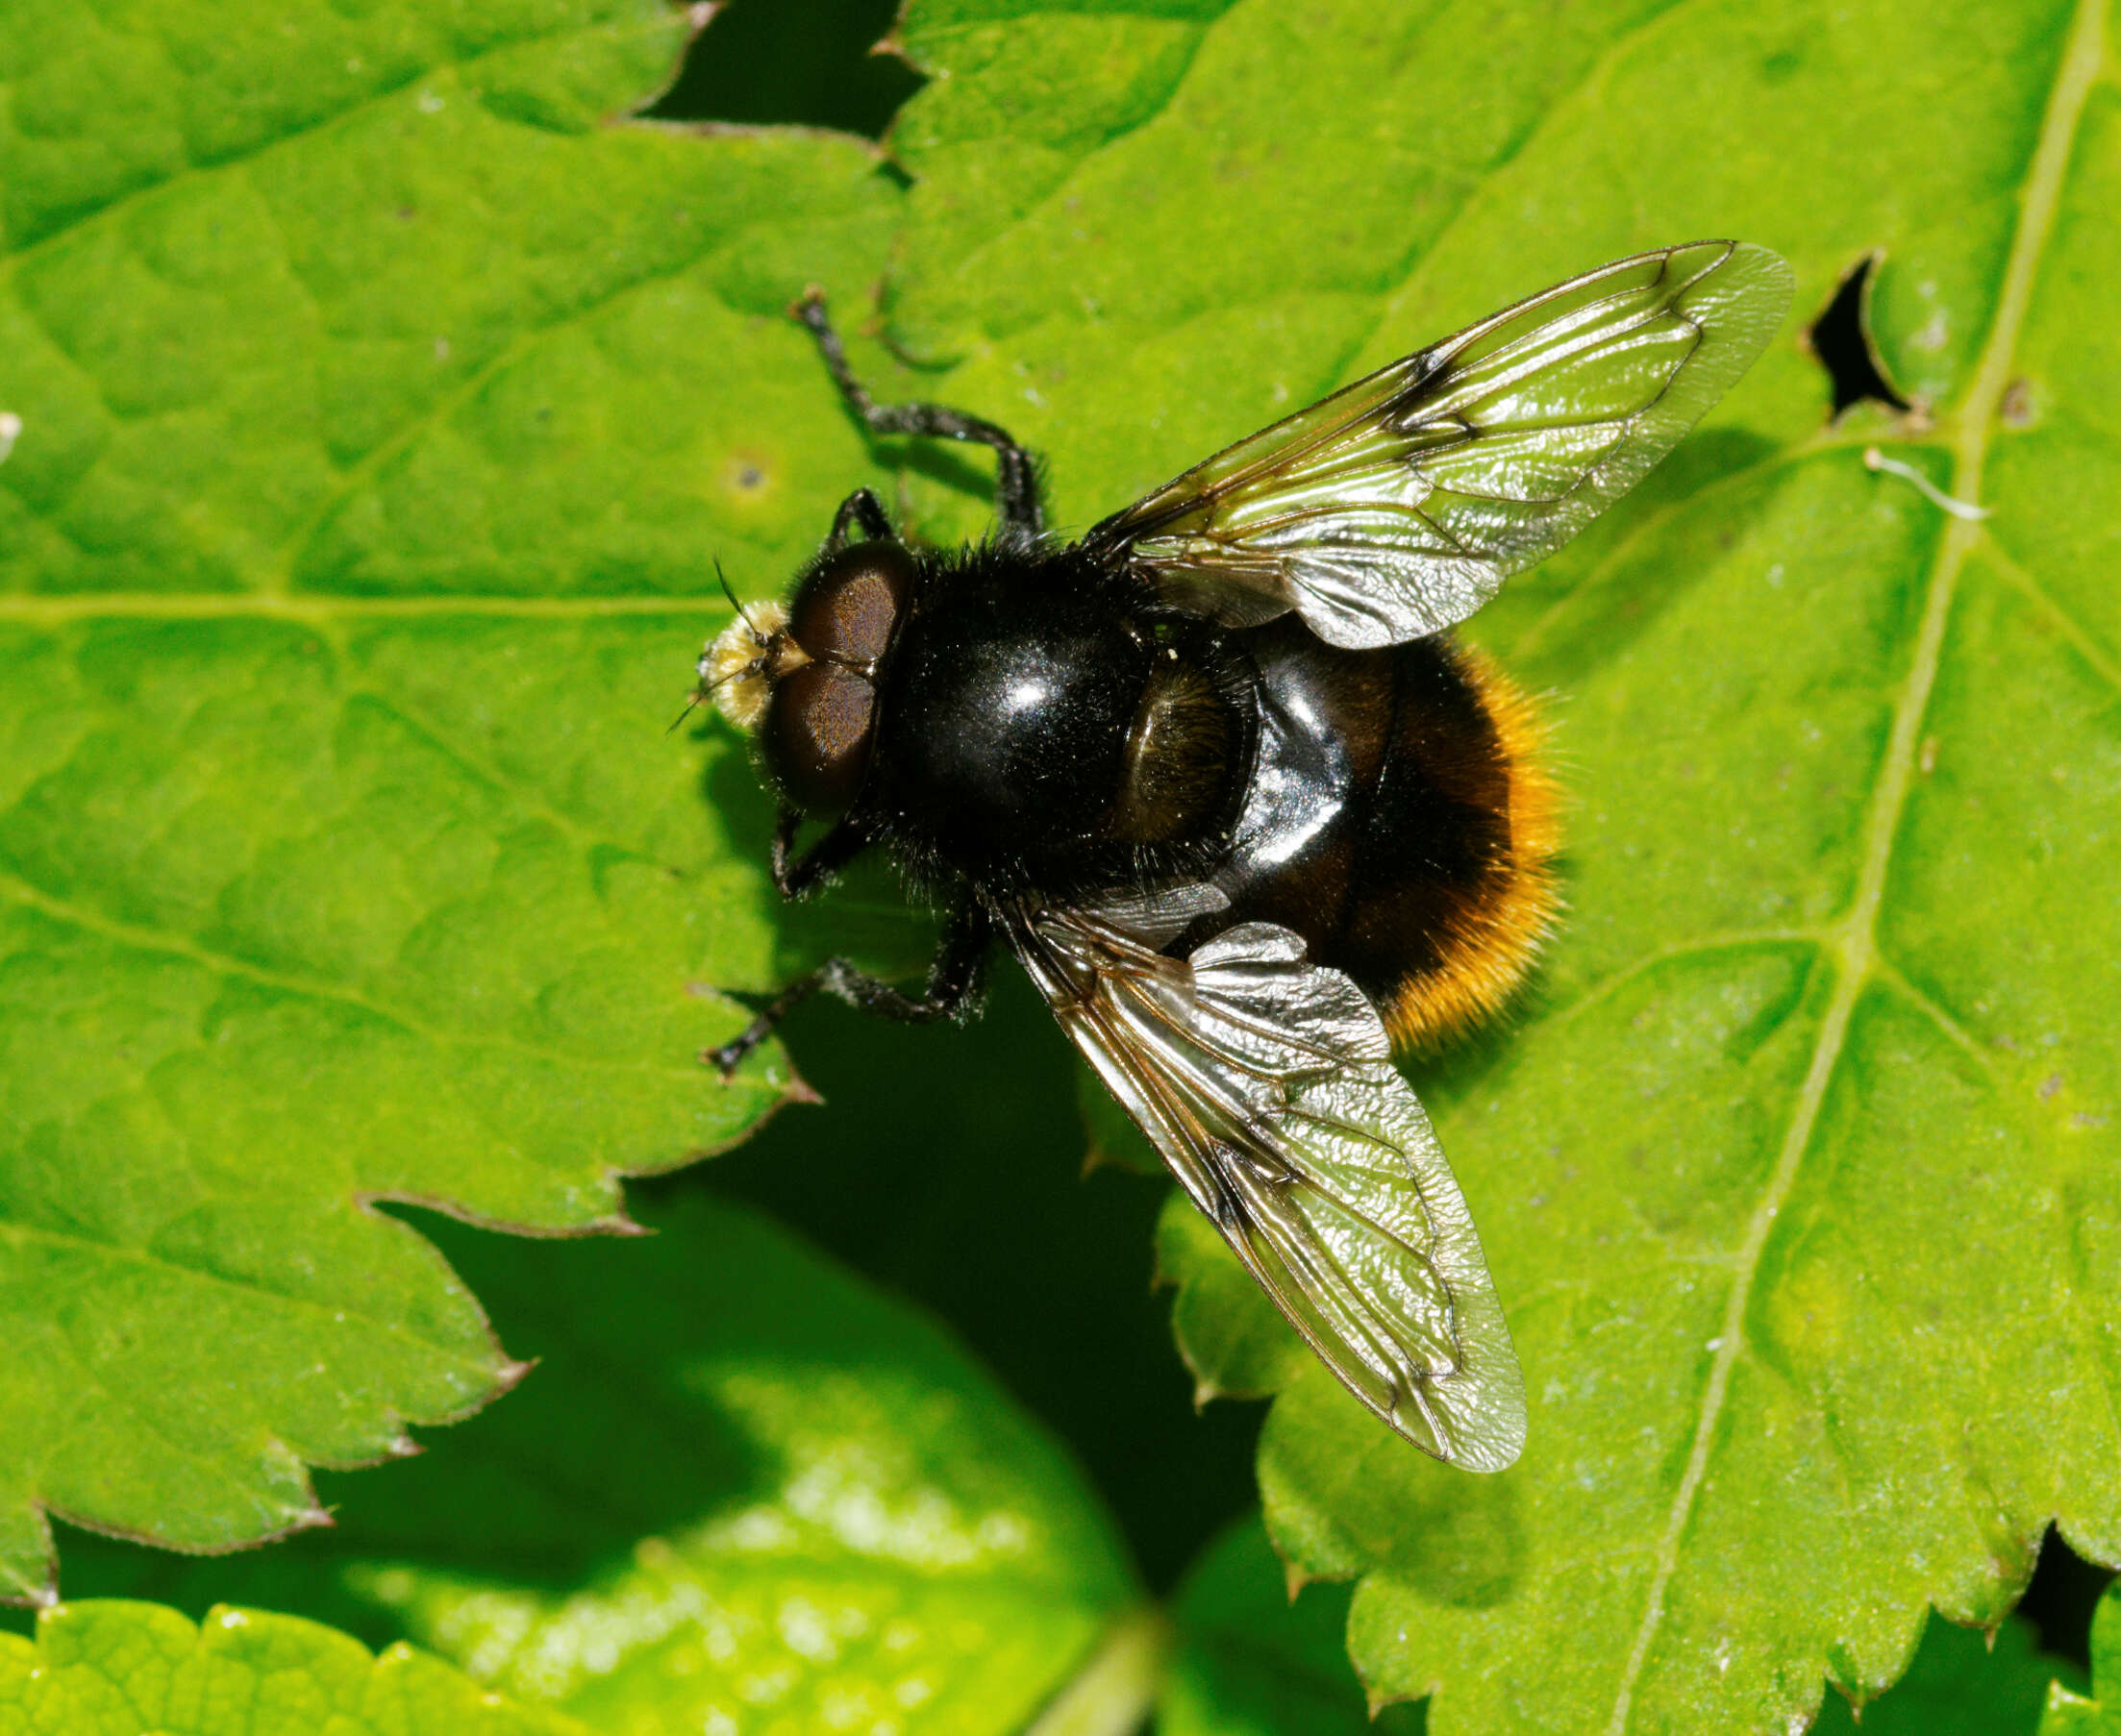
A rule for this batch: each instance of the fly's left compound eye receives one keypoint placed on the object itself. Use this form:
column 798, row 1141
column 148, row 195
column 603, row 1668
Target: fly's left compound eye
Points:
column 847, row 609
column 818, row 727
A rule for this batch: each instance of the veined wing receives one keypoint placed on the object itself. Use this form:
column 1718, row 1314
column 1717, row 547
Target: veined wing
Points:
column 1267, row 1084
column 1399, row 505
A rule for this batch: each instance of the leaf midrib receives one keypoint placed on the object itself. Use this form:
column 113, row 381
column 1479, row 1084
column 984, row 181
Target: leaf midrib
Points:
column 2079, row 70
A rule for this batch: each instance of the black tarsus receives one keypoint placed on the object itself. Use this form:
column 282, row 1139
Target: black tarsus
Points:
column 860, row 505
column 1016, row 492
column 795, row 878
column 954, row 978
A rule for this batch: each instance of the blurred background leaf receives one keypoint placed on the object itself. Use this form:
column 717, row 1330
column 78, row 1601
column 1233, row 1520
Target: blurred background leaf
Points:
column 738, row 1488
column 2070, row 1711
column 1960, row 1682
column 1255, row 1659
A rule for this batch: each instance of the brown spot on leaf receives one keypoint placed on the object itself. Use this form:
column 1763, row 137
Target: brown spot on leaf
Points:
column 749, row 476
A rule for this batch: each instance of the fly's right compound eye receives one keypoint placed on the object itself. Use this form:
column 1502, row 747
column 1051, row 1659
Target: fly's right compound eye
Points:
column 819, row 724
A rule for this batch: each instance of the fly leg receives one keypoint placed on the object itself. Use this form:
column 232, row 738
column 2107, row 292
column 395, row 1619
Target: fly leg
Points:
column 1017, row 494
column 797, row 877
column 862, row 507
column 953, row 979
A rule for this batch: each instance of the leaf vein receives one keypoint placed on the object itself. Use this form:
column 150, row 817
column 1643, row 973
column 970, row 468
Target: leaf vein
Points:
column 1642, row 525
column 153, row 940
column 1603, row 988
column 2081, row 639
column 2076, row 70
column 126, row 198
column 1480, row 177
column 528, row 337
column 21, row 1234
column 1891, row 973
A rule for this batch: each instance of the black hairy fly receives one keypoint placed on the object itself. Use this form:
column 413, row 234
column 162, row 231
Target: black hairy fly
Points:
column 1219, row 777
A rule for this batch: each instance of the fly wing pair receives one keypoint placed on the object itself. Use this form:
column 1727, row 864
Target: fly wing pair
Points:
column 1387, row 511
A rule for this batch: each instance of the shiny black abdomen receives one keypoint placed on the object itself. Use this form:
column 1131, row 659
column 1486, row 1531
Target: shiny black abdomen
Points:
column 1376, row 820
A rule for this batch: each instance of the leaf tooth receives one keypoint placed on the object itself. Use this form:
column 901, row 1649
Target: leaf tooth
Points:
column 1295, row 1578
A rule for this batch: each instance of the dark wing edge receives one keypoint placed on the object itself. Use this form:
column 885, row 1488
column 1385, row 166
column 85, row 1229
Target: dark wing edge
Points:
column 1267, row 1083
column 1398, row 506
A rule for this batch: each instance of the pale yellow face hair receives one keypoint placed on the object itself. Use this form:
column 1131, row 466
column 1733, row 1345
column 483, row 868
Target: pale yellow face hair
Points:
column 734, row 665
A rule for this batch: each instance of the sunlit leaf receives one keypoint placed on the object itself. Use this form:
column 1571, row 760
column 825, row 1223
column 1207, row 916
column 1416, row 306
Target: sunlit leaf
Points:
column 113, row 1666
column 1794, row 1169
column 384, row 397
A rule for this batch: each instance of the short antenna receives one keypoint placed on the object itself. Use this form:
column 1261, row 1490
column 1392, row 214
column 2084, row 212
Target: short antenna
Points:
column 722, row 579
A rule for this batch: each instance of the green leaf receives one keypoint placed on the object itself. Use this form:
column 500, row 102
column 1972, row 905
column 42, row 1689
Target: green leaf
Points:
column 1231, row 1338
column 384, row 396
column 1255, row 1659
column 1794, row 1170
column 738, row 1485
column 2071, row 1713
column 114, row 1666
column 1960, row 1682
column 380, row 410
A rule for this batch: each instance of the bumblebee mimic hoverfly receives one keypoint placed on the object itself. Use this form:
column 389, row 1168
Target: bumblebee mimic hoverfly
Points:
column 1219, row 777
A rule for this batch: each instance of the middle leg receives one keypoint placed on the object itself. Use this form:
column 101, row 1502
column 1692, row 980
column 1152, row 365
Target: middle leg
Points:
column 953, row 980
column 1017, row 495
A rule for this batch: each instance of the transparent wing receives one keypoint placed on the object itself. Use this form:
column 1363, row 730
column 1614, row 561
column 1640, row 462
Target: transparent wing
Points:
column 1266, row 1082
column 1399, row 505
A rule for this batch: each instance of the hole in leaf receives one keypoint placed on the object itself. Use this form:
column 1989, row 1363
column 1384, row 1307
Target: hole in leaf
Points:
column 1841, row 339
column 795, row 63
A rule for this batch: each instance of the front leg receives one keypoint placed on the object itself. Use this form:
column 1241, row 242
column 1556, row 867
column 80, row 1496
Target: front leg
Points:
column 1017, row 494
column 954, row 978
column 797, row 877
column 862, row 507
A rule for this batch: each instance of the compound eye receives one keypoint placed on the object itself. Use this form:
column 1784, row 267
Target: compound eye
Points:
column 847, row 608
column 816, row 738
